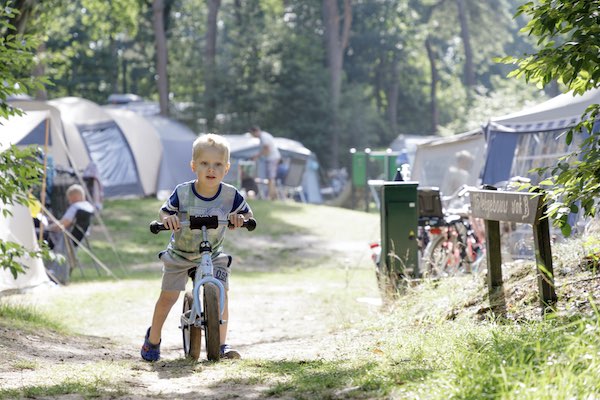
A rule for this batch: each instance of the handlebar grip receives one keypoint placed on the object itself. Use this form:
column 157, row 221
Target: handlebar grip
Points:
column 250, row 224
column 156, row 227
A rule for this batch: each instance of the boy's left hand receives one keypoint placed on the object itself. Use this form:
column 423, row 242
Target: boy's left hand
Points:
column 237, row 220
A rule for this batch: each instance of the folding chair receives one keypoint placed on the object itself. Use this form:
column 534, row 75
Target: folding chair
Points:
column 81, row 224
column 292, row 182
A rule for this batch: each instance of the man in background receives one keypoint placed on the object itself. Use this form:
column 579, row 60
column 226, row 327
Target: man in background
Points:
column 270, row 154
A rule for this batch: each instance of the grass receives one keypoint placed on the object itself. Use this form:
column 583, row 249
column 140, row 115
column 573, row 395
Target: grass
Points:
column 428, row 343
column 24, row 316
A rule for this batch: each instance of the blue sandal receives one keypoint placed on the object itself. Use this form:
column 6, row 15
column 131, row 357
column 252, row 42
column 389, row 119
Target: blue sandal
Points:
column 150, row 352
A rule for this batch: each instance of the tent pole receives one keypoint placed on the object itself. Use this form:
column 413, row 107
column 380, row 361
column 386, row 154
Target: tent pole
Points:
column 43, row 193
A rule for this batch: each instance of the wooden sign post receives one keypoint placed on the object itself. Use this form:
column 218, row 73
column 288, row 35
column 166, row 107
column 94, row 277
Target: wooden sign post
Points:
column 526, row 208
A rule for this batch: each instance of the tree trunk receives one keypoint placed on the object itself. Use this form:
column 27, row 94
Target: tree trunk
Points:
column 392, row 96
column 336, row 40
column 39, row 71
column 465, row 35
column 433, row 88
column 210, row 64
column 158, row 9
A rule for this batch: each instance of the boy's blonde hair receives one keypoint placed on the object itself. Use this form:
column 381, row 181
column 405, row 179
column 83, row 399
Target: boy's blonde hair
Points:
column 210, row 140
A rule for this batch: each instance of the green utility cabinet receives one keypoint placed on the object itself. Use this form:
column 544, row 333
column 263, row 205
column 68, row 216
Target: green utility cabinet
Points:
column 399, row 224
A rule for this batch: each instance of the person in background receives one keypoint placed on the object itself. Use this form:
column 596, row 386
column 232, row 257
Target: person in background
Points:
column 270, row 153
column 53, row 233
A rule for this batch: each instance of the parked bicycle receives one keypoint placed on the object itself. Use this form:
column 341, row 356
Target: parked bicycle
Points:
column 203, row 306
column 448, row 240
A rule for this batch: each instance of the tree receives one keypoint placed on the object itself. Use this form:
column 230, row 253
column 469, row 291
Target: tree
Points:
column 210, row 53
column 19, row 169
column 158, row 9
column 337, row 33
column 574, row 62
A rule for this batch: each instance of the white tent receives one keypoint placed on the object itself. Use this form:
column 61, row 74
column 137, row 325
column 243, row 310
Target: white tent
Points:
column 18, row 227
column 93, row 135
column 176, row 140
column 436, row 159
column 145, row 144
column 58, row 147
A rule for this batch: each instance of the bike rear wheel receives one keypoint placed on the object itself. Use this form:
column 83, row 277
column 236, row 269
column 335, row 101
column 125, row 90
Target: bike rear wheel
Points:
column 192, row 336
column 212, row 322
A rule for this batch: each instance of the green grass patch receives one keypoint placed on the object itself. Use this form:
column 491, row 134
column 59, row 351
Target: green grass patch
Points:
column 27, row 316
column 98, row 389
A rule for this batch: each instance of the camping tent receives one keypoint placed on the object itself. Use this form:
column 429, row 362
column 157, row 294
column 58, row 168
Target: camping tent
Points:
column 18, row 228
column 94, row 136
column 145, row 145
column 533, row 137
column 176, row 140
column 243, row 147
column 35, row 134
column 436, row 159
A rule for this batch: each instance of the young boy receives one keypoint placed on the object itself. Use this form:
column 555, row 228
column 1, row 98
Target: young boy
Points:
column 206, row 195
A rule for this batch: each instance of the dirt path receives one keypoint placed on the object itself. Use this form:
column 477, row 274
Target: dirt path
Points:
column 272, row 320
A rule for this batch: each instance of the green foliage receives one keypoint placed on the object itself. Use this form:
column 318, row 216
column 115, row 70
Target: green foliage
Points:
column 569, row 34
column 16, row 62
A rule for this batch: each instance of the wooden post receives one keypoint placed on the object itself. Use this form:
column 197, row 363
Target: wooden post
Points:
column 543, row 257
column 43, row 190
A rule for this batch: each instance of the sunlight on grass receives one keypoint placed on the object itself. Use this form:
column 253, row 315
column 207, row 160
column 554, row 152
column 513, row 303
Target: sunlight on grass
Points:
column 28, row 316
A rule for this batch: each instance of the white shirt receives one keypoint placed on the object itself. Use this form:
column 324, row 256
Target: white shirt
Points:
column 266, row 140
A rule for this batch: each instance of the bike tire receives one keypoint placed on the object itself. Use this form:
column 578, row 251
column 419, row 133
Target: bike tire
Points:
column 436, row 257
column 212, row 324
column 192, row 336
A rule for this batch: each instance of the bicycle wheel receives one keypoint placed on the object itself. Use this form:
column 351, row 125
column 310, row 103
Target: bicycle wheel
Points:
column 192, row 336
column 211, row 322
column 436, row 256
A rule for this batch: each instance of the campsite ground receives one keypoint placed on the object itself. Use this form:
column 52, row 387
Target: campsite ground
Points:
column 283, row 308
column 303, row 311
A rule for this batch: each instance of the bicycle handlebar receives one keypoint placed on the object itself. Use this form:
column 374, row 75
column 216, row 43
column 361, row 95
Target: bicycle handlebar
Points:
column 198, row 222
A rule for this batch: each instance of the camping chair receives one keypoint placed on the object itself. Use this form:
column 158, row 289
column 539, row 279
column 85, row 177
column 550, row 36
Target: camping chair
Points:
column 81, row 224
column 292, row 183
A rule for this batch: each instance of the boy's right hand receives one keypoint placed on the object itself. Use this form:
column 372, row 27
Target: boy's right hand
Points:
column 171, row 222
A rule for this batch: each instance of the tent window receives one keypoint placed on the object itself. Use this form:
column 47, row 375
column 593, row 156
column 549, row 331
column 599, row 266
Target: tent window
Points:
column 540, row 149
column 111, row 153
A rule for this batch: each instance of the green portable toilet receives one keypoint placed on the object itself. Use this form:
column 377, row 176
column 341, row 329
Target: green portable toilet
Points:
column 399, row 225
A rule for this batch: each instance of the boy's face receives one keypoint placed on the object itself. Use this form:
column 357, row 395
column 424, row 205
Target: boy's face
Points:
column 210, row 167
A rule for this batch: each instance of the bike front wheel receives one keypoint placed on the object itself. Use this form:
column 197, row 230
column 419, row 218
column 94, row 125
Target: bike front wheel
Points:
column 192, row 336
column 436, row 257
column 212, row 322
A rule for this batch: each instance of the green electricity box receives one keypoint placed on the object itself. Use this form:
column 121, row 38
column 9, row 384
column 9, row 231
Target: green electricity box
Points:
column 399, row 224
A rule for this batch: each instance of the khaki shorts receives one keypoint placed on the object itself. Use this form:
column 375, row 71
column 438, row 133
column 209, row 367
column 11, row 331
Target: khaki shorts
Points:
column 175, row 270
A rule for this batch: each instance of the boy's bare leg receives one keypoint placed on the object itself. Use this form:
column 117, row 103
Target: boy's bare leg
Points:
column 165, row 302
column 223, row 327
